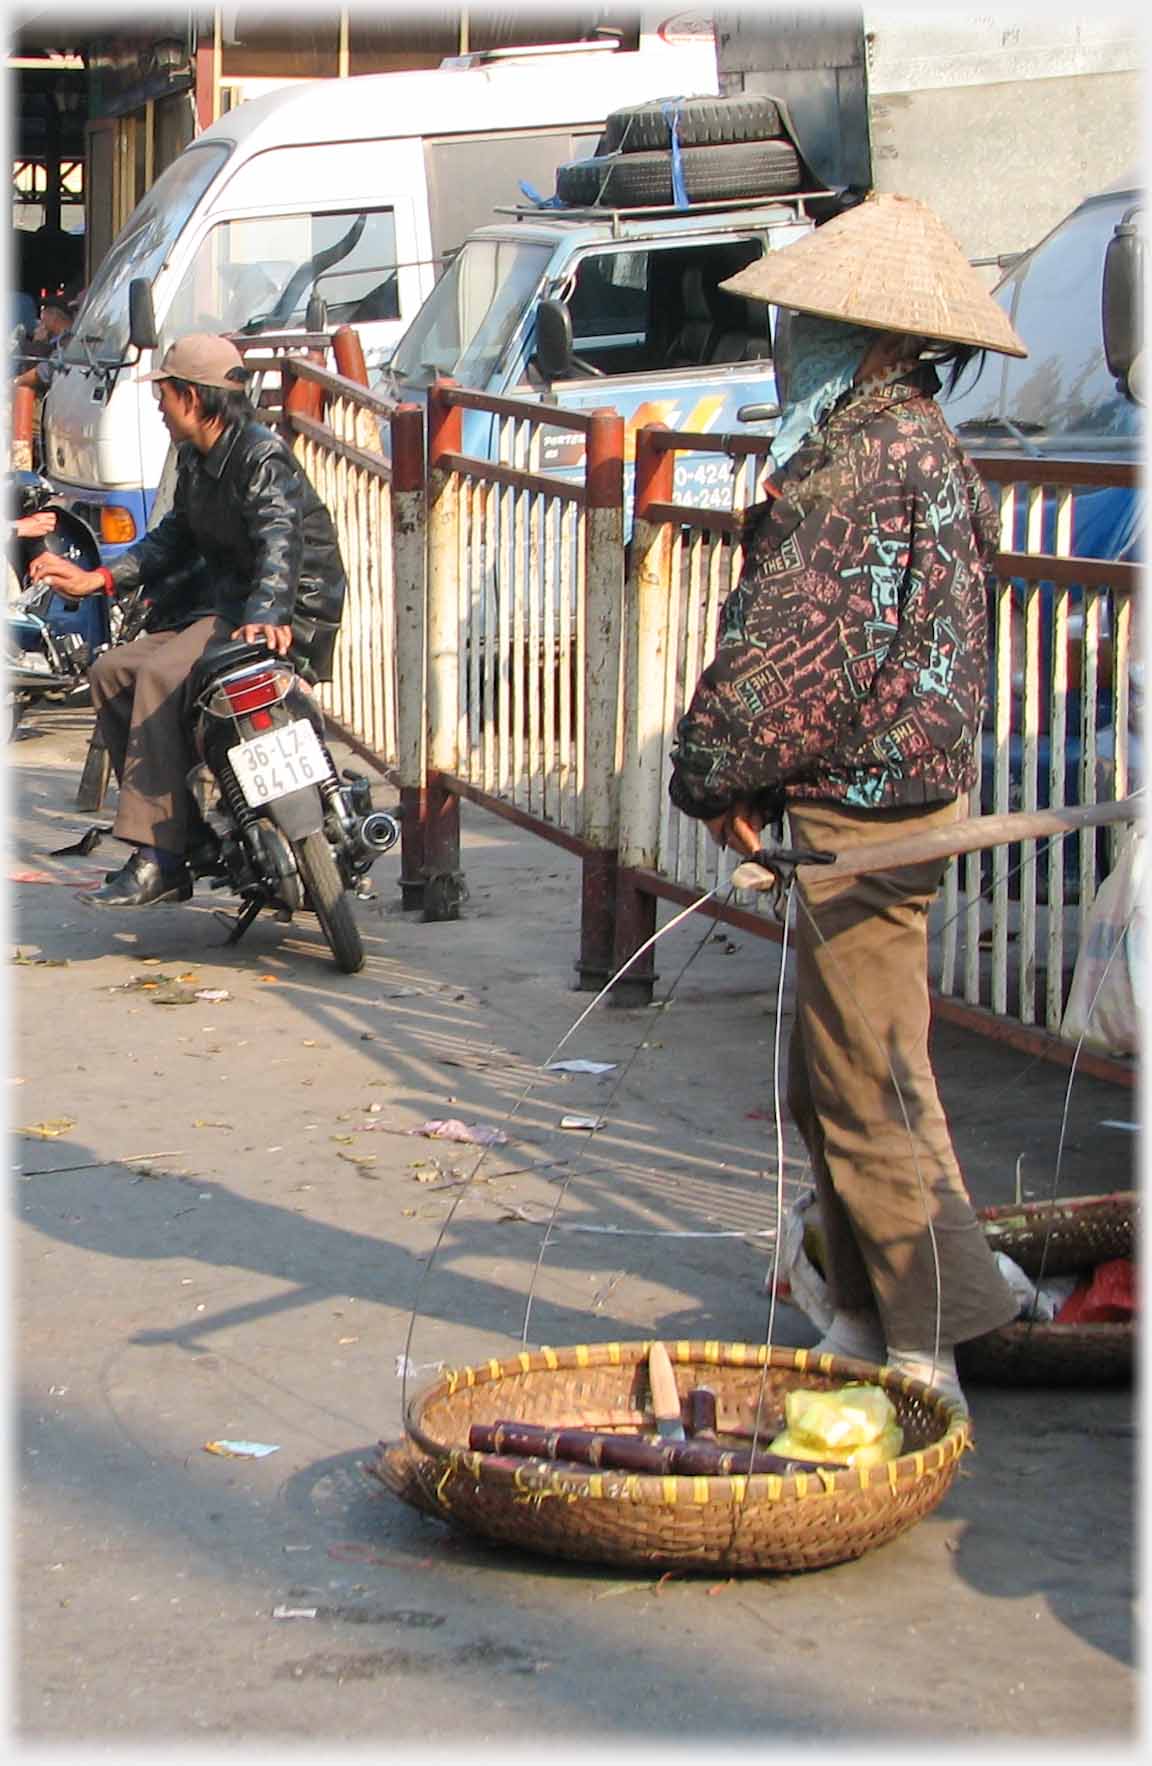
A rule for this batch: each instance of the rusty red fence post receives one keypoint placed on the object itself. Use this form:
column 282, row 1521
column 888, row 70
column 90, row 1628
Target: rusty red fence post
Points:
column 299, row 398
column 603, row 617
column 642, row 761
column 410, row 591
column 444, row 880
column 348, row 353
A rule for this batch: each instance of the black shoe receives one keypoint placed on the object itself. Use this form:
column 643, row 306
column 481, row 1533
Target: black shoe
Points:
column 202, row 856
column 141, row 883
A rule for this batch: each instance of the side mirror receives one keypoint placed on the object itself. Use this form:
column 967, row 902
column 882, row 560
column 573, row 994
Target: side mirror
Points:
column 316, row 315
column 1121, row 300
column 553, row 347
column 141, row 315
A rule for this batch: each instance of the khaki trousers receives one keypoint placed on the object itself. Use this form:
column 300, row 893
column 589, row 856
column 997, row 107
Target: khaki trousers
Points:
column 139, row 691
column 863, row 1095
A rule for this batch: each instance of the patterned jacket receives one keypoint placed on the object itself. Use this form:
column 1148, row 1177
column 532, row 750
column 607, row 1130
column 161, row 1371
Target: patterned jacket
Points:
column 852, row 654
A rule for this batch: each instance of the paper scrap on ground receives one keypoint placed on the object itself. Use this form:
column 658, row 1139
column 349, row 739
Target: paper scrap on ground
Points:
column 449, row 1129
column 213, row 994
column 580, row 1066
column 589, row 1122
column 50, row 1130
column 406, row 1367
column 240, row 1449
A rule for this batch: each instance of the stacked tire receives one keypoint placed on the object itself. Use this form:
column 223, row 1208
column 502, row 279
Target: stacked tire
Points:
column 729, row 148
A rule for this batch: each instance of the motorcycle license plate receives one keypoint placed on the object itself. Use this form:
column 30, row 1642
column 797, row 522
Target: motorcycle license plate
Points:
column 284, row 760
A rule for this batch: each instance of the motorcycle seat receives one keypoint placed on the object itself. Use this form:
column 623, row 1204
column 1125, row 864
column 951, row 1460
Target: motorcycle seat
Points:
column 222, row 657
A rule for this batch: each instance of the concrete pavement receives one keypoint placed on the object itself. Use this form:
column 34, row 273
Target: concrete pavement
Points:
column 223, row 1225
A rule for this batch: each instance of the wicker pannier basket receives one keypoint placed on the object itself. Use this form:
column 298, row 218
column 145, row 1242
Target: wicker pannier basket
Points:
column 758, row 1523
column 1057, row 1238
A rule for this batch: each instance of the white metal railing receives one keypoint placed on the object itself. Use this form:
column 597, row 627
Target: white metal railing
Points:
column 524, row 587
column 532, row 679
column 341, row 455
column 1058, row 728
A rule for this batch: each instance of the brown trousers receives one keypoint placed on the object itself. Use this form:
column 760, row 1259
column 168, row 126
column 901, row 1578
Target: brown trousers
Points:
column 139, row 692
column 862, row 1091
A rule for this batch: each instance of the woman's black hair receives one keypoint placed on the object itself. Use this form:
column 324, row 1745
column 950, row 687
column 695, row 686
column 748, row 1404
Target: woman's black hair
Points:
column 955, row 358
column 220, row 401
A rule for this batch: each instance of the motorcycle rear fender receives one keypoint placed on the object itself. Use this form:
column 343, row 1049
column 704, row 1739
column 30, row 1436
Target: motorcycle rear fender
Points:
column 299, row 813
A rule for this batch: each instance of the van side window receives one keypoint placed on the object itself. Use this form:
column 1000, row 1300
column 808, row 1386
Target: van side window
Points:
column 259, row 273
column 636, row 312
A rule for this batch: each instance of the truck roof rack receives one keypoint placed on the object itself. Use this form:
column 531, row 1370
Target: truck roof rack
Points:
column 610, row 42
column 664, row 211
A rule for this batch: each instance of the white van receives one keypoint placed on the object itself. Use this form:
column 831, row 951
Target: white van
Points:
column 351, row 190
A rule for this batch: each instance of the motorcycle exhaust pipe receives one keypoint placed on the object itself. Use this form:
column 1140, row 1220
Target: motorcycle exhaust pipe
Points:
column 377, row 833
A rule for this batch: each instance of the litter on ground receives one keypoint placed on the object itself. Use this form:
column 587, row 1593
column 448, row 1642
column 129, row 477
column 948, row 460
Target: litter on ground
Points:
column 240, row 1449
column 449, row 1129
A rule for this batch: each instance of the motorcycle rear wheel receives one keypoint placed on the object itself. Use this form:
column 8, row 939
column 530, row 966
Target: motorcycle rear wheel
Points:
column 329, row 901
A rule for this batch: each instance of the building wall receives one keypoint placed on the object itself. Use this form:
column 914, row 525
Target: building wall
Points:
column 1001, row 123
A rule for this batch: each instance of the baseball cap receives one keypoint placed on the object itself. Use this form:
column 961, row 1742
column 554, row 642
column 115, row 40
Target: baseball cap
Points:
column 205, row 360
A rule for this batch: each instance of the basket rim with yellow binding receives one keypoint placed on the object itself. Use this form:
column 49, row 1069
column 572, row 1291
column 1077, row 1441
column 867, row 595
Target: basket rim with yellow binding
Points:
column 542, row 1477
column 1052, row 1234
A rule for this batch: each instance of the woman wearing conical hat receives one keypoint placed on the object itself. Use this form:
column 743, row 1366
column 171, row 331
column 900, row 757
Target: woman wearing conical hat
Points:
column 848, row 688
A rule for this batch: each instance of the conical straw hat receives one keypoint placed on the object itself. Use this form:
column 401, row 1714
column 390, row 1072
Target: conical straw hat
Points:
column 889, row 263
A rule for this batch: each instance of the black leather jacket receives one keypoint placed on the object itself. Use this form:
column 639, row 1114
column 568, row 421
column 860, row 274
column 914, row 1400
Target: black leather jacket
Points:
column 247, row 538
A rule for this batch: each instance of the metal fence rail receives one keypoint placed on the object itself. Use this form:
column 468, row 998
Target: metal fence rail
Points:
column 524, row 591
column 1058, row 727
column 340, row 452
column 496, row 648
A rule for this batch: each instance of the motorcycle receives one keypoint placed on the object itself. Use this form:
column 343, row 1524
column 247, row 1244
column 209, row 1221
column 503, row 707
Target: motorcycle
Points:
column 294, row 835
column 52, row 640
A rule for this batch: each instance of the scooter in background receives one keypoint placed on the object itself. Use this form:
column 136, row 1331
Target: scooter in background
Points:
column 52, row 640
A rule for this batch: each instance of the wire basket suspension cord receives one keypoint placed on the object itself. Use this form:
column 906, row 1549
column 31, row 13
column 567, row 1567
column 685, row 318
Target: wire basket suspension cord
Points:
column 777, row 1118
column 1112, row 955
column 469, row 1181
column 777, row 1114
column 563, row 1188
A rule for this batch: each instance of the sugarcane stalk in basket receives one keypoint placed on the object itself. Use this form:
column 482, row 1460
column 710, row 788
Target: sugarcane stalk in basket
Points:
column 632, row 1454
column 702, row 1413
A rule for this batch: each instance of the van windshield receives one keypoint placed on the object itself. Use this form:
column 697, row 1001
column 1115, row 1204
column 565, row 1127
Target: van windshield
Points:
column 141, row 249
column 258, row 273
column 1061, row 395
column 464, row 325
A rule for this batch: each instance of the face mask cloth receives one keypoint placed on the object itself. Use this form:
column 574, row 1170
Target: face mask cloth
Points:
column 823, row 357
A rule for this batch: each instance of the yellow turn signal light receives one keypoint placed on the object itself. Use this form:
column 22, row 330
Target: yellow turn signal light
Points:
column 117, row 527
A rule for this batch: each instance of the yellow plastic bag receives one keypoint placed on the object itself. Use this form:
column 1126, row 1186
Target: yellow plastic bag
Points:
column 856, row 1423
column 873, row 1453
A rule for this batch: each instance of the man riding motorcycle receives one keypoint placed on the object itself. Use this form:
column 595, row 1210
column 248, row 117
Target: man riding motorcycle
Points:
column 247, row 551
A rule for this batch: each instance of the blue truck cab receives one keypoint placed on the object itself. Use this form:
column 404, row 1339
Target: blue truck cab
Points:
column 585, row 308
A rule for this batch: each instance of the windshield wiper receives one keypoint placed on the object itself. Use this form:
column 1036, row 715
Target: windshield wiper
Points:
column 1020, row 430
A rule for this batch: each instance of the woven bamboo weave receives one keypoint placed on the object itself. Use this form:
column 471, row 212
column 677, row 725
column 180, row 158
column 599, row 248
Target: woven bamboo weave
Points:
column 761, row 1523
column 1057, row 1238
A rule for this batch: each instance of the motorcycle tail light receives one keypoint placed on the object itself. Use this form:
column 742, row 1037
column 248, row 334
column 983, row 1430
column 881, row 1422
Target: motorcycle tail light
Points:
column 251, row 691
column 260, row 720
